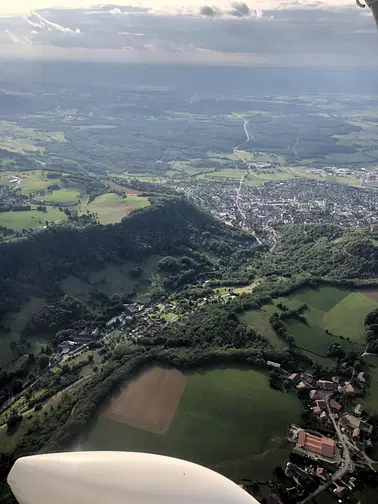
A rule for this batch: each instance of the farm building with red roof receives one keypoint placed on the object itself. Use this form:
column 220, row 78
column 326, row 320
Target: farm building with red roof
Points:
column 321, row 445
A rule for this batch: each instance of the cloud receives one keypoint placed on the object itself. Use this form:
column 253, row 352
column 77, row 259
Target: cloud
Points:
column 240, row 9
column 237, row 10
column 13, row 37
column 120, row 8
column 37, row 21
column 229, row 32
column 208, row 11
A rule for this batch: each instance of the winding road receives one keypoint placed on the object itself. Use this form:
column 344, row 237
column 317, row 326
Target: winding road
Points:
column 238, row 192
column 295, row 145
column 345, row 466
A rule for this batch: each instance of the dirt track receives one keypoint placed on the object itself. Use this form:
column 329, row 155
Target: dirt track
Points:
column 149, row 402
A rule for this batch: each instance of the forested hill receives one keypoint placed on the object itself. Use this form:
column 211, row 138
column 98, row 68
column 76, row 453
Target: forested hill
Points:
column 323, row 251
column 170, row 226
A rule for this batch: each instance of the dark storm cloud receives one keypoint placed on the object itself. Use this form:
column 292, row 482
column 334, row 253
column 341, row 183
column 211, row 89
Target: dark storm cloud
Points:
column 240, row 9
column 208, row 11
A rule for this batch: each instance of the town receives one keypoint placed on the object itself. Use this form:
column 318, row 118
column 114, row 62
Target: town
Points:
column 259, row 209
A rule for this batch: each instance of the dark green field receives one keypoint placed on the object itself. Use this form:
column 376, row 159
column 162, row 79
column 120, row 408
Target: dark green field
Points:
column 16, row 322
column 338, row 310
column 370, row 401
column 227, row 419
column 259, row 320
column 114, row 279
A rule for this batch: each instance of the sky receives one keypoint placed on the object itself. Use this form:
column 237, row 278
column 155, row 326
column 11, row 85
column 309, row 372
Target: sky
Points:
column 23, row 6
column 283, row 32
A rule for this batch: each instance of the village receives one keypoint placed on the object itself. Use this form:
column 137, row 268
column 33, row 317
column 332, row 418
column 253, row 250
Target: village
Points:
column 331, row 447
column 336, row 447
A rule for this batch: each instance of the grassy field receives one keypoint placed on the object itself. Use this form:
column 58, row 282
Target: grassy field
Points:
column 64, row 196
column 326, row 362
column 370, row 401
column 111, row 208
column 259, row 320
column 32, row 219
column 16, row 322
column 338, row 310
column 333, row 179
column 17, row 138
column 144, row 177
column 348, row 316
column 247, row 289
column 74, row 286
column 112, row 279
column 315, row 339
column 322, row 298
column 223, row 155
column 31, row 181
column 228, row 173
column 227, row 419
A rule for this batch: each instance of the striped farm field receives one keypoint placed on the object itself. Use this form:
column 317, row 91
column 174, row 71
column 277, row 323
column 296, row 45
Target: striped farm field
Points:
column 228, row 419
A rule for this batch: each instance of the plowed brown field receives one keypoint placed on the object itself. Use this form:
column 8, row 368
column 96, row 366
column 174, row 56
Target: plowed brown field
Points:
column 149, row 402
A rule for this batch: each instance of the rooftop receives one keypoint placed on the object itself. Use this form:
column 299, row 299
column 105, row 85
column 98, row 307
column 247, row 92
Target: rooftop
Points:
column 349, row 388
column 293, row 376
column 325, row 384
column 322, row 445
column 335, row 405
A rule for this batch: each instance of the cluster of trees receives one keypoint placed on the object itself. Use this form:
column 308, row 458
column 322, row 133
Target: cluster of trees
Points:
column 11, row 382
column 56, row 316
column 181, row 271
column 15, row 208
column 212, row 326
column 296, row 312
column 312, row 250
column 279, row 327
column 336, row 350
column 170, row 227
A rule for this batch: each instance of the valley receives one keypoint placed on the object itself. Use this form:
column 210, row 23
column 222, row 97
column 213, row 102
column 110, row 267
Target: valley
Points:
column 182, row 268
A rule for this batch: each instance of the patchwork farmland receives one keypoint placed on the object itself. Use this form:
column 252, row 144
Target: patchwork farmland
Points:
column 334, row 315
column 225, row 418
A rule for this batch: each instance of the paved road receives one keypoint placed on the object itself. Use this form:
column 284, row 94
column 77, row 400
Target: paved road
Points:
column 294, row 147
column 347, row 463
column 238, row 198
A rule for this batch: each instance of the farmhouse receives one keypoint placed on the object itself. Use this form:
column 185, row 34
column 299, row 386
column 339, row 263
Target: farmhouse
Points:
column 316, row 394
column 358, row 410
column 293, row 377
column 321, row 405
column 301, row 385
column 361, row 377
column 273, row 364
column 351, row 421
column 321, row 445
column 308, row 378
column 325, row 384
column 335, row 405
column 348, row 388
